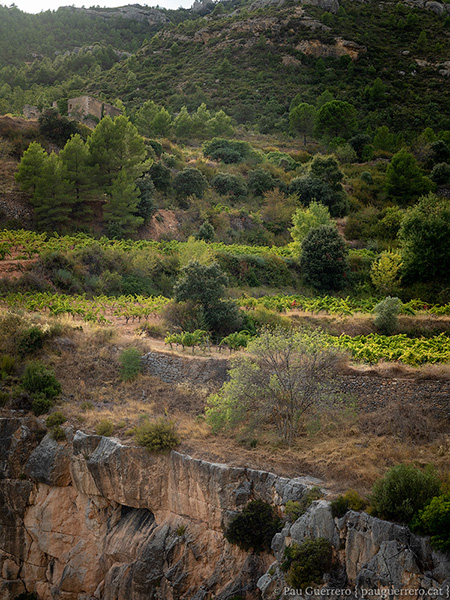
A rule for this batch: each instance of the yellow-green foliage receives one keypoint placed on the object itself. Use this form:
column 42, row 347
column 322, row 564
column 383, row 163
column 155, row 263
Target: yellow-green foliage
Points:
column 105, row 427
column 157, row 435
column 385, row 272
column 351, row 500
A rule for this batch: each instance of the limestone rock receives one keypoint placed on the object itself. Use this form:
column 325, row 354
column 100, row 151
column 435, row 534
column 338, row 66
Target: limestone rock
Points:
column 49, row 463
column 316, row 522
column 18, row 439
column 435, row 7
column 130, row 525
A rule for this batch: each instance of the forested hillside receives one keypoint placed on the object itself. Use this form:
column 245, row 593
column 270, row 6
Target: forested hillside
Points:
column 250, row 59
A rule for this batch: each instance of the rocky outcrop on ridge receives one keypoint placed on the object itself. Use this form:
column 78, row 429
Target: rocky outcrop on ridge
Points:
column 93, row 518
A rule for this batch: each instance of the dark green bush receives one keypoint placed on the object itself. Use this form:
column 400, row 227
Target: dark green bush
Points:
column 7, row 364
column 351, row 500
column 41, row 405
column 56, row 418
column 306, row 564
column 157, row 147
column 260, row 181
column 254, row 527
column 403, row 491
column 441, row 173
column 58, row 433
column 39, row 379
column 158, row 435
column 189, row 182
column 206, row 232
column 131, row 366
column 227, row 184
column 30, row 340
column 228, row 151
column 434, row 520
column 161, row 176
column 324, row 259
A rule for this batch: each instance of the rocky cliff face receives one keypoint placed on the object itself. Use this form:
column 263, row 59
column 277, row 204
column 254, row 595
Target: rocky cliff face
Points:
column 93, row 518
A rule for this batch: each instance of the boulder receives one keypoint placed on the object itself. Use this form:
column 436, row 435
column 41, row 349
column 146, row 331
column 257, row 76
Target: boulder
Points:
column 49, row 463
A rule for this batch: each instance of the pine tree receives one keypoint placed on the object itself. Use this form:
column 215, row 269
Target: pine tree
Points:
column 200, row 121
column 31, row 167
column 183, row 124
column 80, row 176
column 301, row 119
column 116, row 145
column 52, row 200
column 120, row 212
column 145, row 116
column 161, row 123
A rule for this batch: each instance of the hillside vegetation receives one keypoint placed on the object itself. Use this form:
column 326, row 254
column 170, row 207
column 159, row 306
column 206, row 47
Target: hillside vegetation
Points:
column 275, row 190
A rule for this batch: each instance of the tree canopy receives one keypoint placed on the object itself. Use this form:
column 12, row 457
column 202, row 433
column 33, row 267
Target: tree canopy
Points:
column 282, row 376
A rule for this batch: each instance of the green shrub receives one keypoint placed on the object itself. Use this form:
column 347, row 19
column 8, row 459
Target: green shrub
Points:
column 157, row 435
column 254, row 527
column 227, row 184
column 105, row 428
column 324, row 259
column 58, row 433
column 41, row 405
column 86, row 405
column 441, row 173
column 434, row 520
column 403, row 491
column 366, row 176
column 229, row 151
column 131, row 365
column 296, row 508
column 306, row 564
column 351, row 500
column 7, row 364
column 56, row 418
column 4, row 398
column 386, row 315
column 39, row 379
column 30, row 340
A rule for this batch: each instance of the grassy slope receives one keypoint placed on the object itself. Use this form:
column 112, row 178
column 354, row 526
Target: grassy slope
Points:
column 348, row 450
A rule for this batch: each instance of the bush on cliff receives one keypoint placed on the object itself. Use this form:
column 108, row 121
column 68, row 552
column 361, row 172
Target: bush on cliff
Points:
column 351, row 500
column 434, row 520
column 306, row 564
column 254, row 527
column 39, row 379
column 403, row 491
column 158, row 435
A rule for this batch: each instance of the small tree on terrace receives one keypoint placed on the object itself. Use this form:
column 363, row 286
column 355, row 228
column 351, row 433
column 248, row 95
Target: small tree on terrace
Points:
column 324, row 258
column 306, row 219
column 203, row 286
column 283, row 376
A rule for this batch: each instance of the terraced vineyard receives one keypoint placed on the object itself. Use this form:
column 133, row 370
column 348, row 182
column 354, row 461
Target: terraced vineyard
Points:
column 411, row 351
column 340, row 306
column 98, row 309
column 24, row 244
